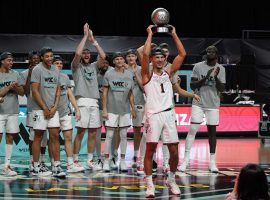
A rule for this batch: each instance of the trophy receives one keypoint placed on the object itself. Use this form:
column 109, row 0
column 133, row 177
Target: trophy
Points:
column 160, row 17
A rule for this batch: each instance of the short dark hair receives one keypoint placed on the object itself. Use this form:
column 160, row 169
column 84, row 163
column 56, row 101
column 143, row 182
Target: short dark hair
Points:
column 5, row 55
column 252, row 183
column 157, row 51
column 132, row 51
column 164, row 45
column 32, row 53
column 212, row 47
column 44, row 50
column 117, row 54
column 57, row 58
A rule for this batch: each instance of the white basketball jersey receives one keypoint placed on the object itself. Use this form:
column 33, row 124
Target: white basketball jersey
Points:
column 159, row 93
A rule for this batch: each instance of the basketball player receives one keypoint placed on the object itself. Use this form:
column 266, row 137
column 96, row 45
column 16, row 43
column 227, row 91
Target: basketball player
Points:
column 34, row 59
column 46, row 94
column 65, row 114
column 87, row 94
column 118, row 106
column 208, row 80
column 10, row 88
column 159, row 108
column 131, row 58
column 102, row 66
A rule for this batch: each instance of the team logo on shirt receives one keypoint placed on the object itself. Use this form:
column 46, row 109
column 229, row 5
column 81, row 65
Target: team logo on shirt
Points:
column 210, row 81
column 50, row 82
column 89, row 75
column 119, row 85
column 5, row 84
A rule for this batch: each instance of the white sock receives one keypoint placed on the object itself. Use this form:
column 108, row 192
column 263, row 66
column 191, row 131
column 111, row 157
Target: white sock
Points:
column 76, row 156
column 149, row 180
column 56, row 163
column 8, row 154
column 90, row 156
column 42, row 158
column 69, row 160
column 31, row 158
column 36, row 164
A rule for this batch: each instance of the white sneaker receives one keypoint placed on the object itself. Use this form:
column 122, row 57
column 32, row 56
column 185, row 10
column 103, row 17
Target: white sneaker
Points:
column 58, row 172
column 140, row 170
column 98, row 165
column 113, row 164
column 77, row 164
column 183, row 166
column 150, row 191
column 173, row 187
column 8, row 171
column 41, row 171
column 123, row 166
column 106, row 165
column 90, row 164
column 72, row 168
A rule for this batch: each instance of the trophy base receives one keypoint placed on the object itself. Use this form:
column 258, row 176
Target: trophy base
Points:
column 162, row 29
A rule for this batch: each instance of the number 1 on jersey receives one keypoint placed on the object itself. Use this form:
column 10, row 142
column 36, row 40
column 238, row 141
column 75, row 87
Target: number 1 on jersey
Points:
column 162, row 88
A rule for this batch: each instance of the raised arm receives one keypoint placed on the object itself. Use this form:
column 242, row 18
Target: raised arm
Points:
column 178, row 60
column 95, row 44
column 76, row 60
column 145, row 57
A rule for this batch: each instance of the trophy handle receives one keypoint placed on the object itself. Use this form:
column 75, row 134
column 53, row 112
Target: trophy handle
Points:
column 162, row 29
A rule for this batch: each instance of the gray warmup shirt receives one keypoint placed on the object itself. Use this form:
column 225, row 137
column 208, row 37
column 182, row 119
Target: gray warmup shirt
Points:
column 119, row 86
column 210, row 97
column 49, row 81
column 137, row 91
column 85, row 80
column 11, row 103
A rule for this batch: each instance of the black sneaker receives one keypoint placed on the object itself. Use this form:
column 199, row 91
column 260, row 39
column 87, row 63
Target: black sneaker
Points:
column 58, row 172
column 44, row 167
column 41, row 171
column 154, row 166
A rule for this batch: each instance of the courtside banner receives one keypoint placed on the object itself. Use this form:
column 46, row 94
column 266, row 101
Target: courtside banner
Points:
column 231, row 119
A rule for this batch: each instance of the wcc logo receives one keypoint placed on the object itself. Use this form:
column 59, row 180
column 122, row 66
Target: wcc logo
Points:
column 50, row 82
column 118, row 83
column 5, row 84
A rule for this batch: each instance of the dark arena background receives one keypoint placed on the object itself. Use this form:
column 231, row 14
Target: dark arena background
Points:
column 239, row 30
